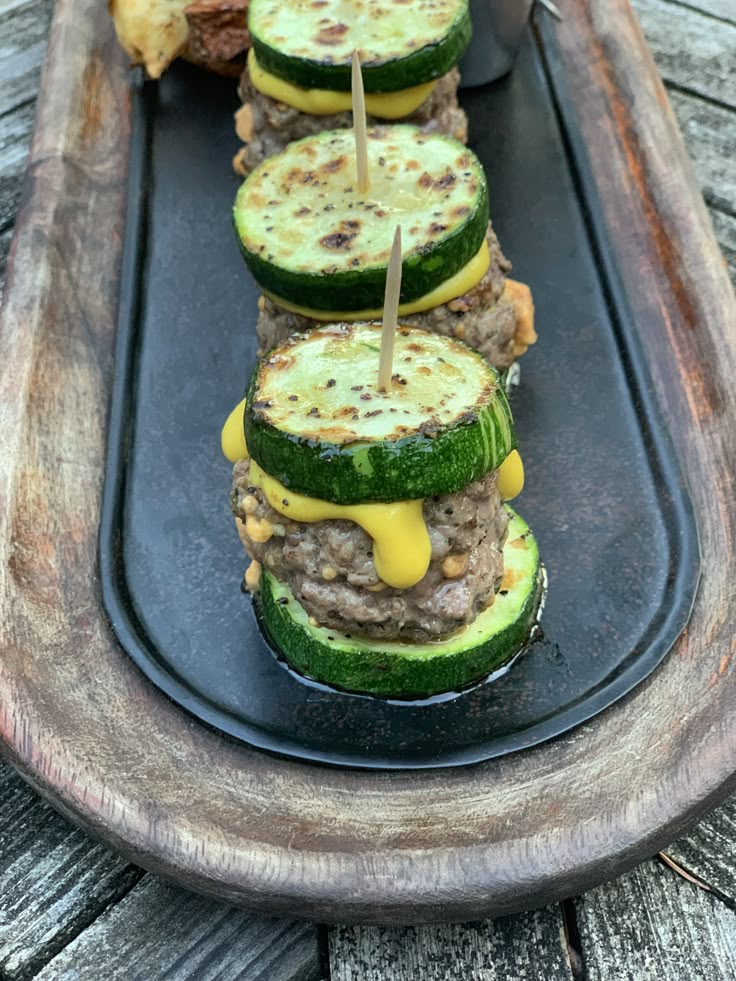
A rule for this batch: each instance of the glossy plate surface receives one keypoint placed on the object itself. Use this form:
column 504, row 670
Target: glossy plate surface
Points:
column 604, row 495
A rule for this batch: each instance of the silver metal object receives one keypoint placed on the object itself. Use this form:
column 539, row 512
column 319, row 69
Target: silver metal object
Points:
column 498, row 26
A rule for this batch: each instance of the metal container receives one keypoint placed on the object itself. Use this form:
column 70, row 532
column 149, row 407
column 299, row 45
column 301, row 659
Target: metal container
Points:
column 498, row 27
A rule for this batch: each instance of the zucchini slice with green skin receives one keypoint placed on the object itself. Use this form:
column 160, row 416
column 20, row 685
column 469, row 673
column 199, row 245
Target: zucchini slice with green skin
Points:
column 315, row 420
column 310, row 237
column 401, row 670
column 400, row 44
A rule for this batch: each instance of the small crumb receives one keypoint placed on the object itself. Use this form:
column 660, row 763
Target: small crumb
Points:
column 258, row 529
column 239, row 163
column 244, row 122
column 250, row 504
column 460, row 305
column 455, row 565
column 520, row 296
column 253, row 576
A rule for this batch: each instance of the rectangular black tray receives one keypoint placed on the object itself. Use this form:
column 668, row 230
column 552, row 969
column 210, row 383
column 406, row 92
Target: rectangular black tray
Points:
column 604, row 494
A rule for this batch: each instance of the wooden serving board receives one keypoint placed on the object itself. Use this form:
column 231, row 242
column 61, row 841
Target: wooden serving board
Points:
column 90, row 733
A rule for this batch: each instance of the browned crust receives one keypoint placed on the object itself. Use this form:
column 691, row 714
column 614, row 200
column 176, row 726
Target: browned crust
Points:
column 218, row 35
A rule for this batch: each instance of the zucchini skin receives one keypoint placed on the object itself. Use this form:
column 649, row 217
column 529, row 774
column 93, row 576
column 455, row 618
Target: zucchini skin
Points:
column 419, row 465
column 429, row 62
column 363, row 289
column 366, row 668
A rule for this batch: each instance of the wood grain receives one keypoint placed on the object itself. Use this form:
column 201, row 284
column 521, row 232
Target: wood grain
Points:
column 158, row 932
column 526, row 947
column 20, row 66
column 650, row 925
column 54, row 881
column 709, row 850
column 724, row 226
column 709, row 132
column 15, row 135
column 23, row 28
column 706, row 65
column 87, row 731
column 718, row 9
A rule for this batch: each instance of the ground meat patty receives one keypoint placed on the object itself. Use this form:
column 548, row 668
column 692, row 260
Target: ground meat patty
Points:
column 269, row 125
column 484, row 318
column 329, row 564
column 218, row 35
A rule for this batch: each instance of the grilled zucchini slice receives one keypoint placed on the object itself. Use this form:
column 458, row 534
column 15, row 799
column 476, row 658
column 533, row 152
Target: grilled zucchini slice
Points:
column 401, row 43
column 315, row 420
column 404, row 670
column 311, row 238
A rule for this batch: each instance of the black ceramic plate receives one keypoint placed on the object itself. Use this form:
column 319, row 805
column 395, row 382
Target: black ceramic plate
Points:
column 604, row 495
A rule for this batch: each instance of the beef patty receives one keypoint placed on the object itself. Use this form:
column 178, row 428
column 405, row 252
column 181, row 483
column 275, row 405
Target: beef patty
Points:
column 267, row 125
column 329, row 564
column 486, row 317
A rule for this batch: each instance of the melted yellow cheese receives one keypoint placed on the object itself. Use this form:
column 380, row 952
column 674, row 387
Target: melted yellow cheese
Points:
column 232, row 439
column 461, row 283
column 324, row 102
column 401, row 546
column 510, row 479
column 402, row 549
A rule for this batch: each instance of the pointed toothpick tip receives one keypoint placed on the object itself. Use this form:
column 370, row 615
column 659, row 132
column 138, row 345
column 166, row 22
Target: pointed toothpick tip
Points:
column 390, row 314
column 360, row 126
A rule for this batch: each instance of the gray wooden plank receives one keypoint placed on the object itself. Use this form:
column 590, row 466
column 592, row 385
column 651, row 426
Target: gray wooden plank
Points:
column 23, row 34
column 652, row 925
column 725, row 228
column 15, row 138
column 690, row 49
column 527, row 946
column 709, row 850
column 54, row 880
column 720, row 9
column 6, row 236
column 161, row 933
column 8, row 6
column 709, row 132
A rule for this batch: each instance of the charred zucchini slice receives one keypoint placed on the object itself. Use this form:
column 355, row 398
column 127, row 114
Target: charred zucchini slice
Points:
column 316, row 421
column 402, row 670
column 400, row 43
column 310, row 237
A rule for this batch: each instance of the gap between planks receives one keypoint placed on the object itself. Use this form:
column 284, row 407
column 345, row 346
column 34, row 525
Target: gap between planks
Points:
column 720, row 10
column 688, row 50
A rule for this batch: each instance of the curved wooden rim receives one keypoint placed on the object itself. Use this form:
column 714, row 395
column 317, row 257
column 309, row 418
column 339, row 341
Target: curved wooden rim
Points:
column 112, row 753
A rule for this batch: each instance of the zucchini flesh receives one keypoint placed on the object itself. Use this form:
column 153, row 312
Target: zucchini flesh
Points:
column 316, row 421
column 402, row 670
column 400, row 43
column 310, row 237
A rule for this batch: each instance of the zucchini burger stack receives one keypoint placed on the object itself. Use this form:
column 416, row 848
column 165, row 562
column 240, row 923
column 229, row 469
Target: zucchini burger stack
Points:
column 385, row 560
column 318, row 247
column 297, row 80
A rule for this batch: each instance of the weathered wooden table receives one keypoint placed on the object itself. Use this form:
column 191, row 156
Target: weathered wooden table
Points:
column 69, row 908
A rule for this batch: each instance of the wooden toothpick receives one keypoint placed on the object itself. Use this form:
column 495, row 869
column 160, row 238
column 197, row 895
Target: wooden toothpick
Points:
column 359, row 126
column 390, row 314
